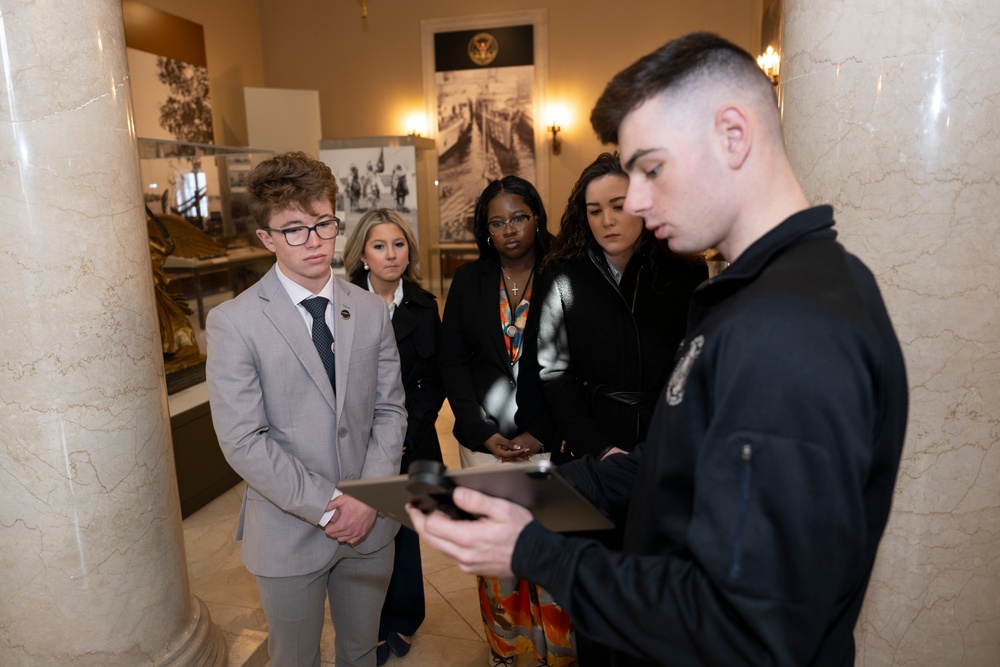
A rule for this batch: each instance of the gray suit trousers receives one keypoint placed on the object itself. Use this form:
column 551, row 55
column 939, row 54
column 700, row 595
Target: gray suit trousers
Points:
column 355, row 585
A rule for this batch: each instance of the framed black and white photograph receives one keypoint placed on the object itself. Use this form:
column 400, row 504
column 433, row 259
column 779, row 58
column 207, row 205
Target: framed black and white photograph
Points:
column 484, row 77
column 371, row 178
column 237, row 169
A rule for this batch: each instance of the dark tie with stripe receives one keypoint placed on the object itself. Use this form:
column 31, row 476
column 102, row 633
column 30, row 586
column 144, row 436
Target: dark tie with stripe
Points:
column 322, row 338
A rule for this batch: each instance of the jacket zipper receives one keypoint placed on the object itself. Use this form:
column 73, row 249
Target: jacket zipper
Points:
column 736, row 566
column 631, row 312
column 631, row 307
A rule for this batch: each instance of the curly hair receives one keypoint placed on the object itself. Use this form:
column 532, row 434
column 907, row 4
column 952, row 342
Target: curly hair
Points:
column 514, row 185
column 355, row 246
column 288, row 180
column 574, row 228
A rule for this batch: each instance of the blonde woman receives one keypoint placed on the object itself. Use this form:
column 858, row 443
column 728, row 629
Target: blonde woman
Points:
column 381, row 256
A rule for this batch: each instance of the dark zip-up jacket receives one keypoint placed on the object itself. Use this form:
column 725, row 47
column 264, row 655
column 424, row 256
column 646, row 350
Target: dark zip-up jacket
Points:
column 605, row 349
column 757, row 502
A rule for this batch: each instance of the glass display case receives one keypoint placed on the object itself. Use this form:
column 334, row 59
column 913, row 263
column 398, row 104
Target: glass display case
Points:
column 197, row 190
column 205, row 184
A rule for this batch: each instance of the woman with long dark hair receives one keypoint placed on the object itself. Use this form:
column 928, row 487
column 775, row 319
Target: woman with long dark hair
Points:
column 613, row 314
column 488, row 341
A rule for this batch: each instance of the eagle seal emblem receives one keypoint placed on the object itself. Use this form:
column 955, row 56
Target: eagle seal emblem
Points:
column 678, row 379
column 483, row 48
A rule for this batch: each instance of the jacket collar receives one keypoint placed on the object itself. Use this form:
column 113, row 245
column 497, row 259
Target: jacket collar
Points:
column 361, row 279
column 411, row 293
column 812, row 223
column 277, row 306
column 491, row 264
column 596, row 254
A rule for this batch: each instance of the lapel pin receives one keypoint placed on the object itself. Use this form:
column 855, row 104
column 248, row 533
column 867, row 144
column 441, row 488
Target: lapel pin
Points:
column 346, row 314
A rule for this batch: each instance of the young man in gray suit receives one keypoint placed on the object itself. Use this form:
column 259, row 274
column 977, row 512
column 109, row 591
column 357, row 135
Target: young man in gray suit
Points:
column 305, row 391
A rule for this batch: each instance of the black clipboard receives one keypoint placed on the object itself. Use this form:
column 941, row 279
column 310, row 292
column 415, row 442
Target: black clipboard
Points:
column 536, row 485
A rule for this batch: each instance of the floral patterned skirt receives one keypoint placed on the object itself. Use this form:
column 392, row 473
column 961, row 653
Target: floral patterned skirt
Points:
column 521, row 617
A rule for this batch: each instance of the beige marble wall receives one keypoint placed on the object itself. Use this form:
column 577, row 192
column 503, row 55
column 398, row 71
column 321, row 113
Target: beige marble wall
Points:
column 91, row 554
column 892, row 114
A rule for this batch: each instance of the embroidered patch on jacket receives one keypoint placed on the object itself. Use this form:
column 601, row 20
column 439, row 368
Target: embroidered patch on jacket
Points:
column 678, row 379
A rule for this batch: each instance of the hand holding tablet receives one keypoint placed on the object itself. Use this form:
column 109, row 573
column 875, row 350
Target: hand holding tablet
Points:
column 535, row 485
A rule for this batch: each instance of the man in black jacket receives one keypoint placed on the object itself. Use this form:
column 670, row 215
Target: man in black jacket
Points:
column 757, row 501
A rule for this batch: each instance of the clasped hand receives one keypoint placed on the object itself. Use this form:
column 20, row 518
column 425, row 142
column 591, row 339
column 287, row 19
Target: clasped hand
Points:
column 352, row 520
column 484, row 546
column 519, row 448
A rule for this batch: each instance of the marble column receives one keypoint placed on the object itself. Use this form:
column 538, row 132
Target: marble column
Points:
column 892, row 114
column 92, row 569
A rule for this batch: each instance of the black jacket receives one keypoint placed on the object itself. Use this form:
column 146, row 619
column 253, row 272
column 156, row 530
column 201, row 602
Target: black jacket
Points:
column 758, row 499
column 487, row 394
column 417, row 327
column 605, row 350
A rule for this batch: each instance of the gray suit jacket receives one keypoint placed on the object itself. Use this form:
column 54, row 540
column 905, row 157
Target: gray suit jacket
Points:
column 281, row 429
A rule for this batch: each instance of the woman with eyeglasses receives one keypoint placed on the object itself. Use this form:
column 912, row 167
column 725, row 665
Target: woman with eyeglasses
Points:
column 381, row 256
column 491, row 381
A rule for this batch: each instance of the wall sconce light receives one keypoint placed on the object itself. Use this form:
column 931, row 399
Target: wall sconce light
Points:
column 770, row 62
column 556, row 144
column 416, row 126
column 556, row 116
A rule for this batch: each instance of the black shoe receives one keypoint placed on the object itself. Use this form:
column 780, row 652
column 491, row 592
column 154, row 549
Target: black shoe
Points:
column 382, row 654
column 398, row 645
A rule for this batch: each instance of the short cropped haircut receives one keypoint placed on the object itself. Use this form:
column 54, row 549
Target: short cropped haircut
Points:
column 288, row 180
column 693, row 57
column 353, row 264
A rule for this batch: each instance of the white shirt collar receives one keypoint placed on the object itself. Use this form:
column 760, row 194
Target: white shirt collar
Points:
column 297, row 293
column 397, row 297
column 614, row 272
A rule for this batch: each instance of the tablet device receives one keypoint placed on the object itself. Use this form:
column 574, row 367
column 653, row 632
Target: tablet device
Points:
column 536, row 485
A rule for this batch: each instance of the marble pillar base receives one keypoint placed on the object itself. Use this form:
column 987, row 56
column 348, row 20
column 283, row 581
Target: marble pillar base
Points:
column 201, row 644
column 247, row 648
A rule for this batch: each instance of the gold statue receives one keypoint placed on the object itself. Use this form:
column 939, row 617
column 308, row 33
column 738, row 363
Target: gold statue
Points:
column 173, row 235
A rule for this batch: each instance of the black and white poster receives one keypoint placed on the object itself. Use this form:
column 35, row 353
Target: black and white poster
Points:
column 485, row 82
column 372, row 178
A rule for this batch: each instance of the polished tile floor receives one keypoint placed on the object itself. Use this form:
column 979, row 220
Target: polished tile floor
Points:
column 451, row 636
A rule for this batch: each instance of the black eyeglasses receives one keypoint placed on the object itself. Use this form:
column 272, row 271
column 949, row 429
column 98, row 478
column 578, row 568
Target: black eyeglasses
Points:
column 516, row 223
column 326, row 230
